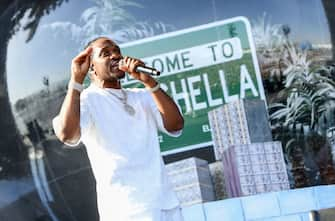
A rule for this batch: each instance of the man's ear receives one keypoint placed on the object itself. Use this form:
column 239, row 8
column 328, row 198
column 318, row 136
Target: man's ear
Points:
column 91, row 69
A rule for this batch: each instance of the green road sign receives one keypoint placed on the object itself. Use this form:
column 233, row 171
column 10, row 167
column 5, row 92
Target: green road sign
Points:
column 201, row 68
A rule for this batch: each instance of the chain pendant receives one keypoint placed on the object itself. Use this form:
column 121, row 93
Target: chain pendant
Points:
column 128, row 108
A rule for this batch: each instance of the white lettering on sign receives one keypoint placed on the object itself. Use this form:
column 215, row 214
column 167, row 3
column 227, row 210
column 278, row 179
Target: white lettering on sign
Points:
column 206, row 128
column 160, row 139
column 246, row 82
column 195, row 91
column 228, row 98
column 195, row 57
column 183, row 95
column 212, row 102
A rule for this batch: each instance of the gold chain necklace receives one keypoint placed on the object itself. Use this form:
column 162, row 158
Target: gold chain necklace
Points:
column 127, row 107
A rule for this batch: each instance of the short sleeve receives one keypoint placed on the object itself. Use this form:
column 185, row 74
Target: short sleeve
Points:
column 158, row 117
column 85, row 121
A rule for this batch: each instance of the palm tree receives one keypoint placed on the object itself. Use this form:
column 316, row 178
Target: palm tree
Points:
column 306, row 113
column 310, row 93
column 11, row 14
column 267, row 36
column 109, row 18
column 270, row 39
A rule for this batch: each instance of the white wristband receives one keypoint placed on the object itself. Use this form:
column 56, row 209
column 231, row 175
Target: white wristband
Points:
column 153, row 89
column 75, row 86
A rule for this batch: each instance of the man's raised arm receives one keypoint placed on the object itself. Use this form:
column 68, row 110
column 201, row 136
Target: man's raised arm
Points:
column 67, row 123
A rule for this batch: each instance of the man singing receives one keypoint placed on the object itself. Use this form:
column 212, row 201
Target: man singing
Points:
column 119, row 129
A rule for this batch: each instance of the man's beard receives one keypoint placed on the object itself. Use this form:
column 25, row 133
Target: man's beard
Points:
column 117, row 76
column 116, row 73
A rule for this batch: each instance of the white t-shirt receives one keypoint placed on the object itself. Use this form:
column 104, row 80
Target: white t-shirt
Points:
column 124, row 153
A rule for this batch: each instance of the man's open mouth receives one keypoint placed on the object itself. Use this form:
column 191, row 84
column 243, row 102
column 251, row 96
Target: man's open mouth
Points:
column 114, row 65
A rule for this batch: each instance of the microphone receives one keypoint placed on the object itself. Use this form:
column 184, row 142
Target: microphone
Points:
column 147, row 70
column 144, row 69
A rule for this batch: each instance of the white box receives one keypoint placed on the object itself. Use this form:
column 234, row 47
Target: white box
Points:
column 191, row 180
column 186, row 163
column 254, row 168
column 239, row 122
column 190, row 175
column 195, row 193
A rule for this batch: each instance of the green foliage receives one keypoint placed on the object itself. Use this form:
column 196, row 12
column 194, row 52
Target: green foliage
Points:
column 32, row 10
column 310, row 93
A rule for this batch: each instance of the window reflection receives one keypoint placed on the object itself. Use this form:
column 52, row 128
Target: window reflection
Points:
column 294, row 50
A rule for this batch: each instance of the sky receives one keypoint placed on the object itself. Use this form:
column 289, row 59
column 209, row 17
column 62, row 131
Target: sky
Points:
column 50, row 52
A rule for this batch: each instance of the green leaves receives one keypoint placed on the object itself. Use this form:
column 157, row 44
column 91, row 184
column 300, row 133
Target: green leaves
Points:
column 309, row 92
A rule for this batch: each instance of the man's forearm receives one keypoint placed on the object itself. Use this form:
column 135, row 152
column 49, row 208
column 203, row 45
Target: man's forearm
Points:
column 67, row 125
column 172, row 118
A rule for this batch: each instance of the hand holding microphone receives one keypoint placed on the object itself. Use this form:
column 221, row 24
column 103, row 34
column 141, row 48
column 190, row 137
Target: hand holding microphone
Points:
column 137, row 69
column 139, row 66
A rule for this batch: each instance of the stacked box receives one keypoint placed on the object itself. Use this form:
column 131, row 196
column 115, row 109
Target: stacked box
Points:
column 254, row 168
column 191, row 181
column 239, row 122
column 218, row 180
